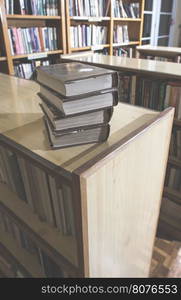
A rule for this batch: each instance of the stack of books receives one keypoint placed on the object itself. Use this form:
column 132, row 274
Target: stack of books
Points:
column 77, row 102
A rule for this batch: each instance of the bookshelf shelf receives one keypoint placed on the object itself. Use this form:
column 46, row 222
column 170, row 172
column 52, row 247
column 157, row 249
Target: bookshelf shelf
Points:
column 90, row 19
column 38, row 54
column 62, row 246
column 134, row 27
column 22, row 258
column 32, row 17
column 90, row 47
column 128, row 19
column 125, row 44
column 11, row 23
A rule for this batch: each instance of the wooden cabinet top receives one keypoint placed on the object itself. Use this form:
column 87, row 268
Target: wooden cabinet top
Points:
column 21, row 123
column 138, row 66
column 159, row 50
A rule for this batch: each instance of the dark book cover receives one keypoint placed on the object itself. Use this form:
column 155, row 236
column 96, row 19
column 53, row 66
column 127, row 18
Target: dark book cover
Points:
column 71, row 79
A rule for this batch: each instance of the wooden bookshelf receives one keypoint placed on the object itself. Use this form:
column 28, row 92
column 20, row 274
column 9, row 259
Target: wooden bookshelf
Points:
column 97, row 175
column 20, row 257
column 135, row 27
column 170, row 53
column 148, row 69
column 18, row 20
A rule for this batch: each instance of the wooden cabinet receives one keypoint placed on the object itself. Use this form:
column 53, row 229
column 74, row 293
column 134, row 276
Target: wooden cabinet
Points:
column 114, row 188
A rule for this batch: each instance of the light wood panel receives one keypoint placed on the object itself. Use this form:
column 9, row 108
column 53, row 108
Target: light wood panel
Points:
column 134, row 65
column 123, row 201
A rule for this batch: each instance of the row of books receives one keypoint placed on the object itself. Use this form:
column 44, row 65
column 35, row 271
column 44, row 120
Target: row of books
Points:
column 174, row 181
column 27, row 70
column 32, row 7
column 124, row 9
column 32, row 39
column 123, row 52
column 49, row 268
column 52, row 203
column 120, row 34
column 88, row 35
column 11, row 270
column 89, row 8
column 175, row 146
column 159, row 94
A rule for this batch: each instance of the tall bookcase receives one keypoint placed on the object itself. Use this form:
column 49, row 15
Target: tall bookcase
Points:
column 135, row 27
column 26, row 21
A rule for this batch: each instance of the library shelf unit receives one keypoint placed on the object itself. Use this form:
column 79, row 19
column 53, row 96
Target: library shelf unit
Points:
column 135, row 27
column 170, row 53
column 157, row 70
column 112, row 226
column 26, row 21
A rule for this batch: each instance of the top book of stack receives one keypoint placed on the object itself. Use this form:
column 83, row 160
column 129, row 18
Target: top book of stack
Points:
column 73, row 79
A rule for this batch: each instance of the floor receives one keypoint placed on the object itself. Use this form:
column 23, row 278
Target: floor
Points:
column 166, row 260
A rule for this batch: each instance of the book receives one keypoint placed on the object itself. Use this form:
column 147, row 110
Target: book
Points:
column 72, row 79
column 74, row 105
column 94, row 134
column 60, row 122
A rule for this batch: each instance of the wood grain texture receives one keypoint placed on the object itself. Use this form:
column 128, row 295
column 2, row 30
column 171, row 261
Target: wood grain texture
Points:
column 136, row 66
column 122, row 215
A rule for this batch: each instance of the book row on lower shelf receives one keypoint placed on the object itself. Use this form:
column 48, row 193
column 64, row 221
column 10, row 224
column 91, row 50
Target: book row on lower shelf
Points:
column 174, row 178
column 175, row 146
column 159, row 94
column 27, row 70
column 119, row 51
column 32, row 39
column 47, row 199
column 21, row 240
column 32, row 7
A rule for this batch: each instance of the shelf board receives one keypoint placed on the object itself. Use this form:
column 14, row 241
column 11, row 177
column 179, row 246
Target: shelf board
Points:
column 32, row 17
column 90, row 19
column 127, row 19
column 172, row 194
column 125, row 44
column 20, row 255
column 90, row 47
column 18, row 56
column 177, row 123
column 3, row 58
column 62, row 248
column 174, row 161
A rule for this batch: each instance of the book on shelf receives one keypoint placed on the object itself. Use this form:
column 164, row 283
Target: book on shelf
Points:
column 88, row 35
column 175, row 146
column 174, row 181
column 59, row 122
column 90, row 8
column 128, row 52
column 42, row 198
column 121, row 35
column 122, row 9
column 48, row 267
column 32, row 39
column 27, row 70
column 90, row 135
column 79, row 104
column 72, row 79
column 32, row 7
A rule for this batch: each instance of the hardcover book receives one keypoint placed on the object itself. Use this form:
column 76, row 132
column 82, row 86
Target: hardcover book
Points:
column 72, row 79
column 60, row 122
column 83, row 104
column 94, row 134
